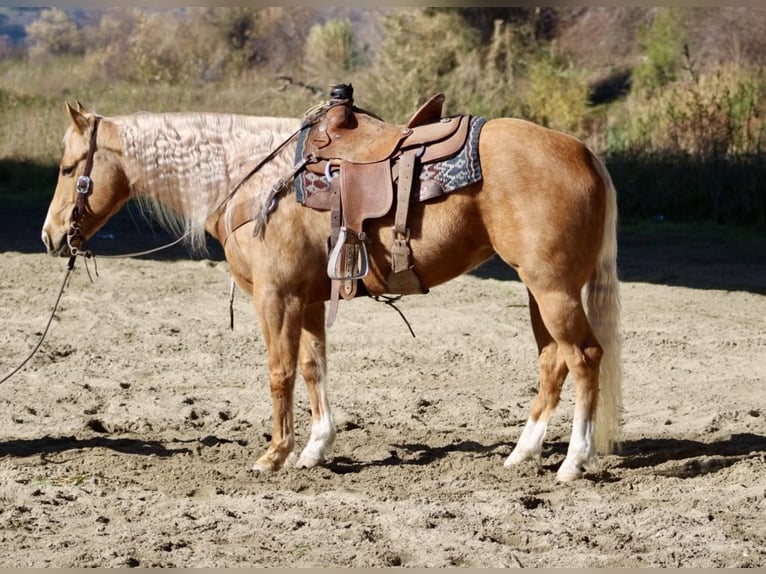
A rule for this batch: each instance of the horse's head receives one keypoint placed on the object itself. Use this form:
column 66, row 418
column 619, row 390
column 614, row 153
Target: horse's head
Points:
column 92, row 185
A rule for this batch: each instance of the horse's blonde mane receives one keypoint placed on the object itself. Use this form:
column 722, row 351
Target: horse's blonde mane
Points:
column 182, row 165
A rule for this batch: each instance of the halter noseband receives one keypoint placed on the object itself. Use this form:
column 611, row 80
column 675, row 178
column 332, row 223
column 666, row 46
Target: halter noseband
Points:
column 84, row 186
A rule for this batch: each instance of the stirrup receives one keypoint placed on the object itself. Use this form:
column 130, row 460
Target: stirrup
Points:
column 355, row 269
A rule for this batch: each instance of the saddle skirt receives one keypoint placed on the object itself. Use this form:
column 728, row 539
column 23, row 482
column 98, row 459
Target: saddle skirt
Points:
column 434, row 177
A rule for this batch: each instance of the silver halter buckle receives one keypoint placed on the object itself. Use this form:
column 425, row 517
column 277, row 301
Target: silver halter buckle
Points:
column 84, row 184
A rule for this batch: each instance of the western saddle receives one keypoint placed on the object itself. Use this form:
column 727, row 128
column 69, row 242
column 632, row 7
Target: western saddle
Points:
column 367, row 161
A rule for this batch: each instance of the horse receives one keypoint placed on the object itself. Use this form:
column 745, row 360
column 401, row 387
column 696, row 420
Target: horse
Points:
column 545, row 205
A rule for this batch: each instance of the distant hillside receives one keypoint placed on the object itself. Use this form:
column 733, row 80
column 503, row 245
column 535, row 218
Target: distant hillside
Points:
column 13, row 21
column 607, row 38
column 603, row 39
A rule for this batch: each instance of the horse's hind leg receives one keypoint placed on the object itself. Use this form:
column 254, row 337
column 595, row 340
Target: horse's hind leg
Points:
column 565, row 319
column 553, row 371
column 312, row 359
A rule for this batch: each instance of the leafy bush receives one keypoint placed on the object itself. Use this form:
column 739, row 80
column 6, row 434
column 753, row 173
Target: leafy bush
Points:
column 706, row 115
column 418, row 54
column 556, row 94
column 328, row 57
column 54, row 33
column 661, row 43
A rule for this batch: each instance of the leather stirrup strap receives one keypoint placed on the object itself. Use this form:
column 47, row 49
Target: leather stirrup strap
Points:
column 400, row 254
column 406, row 176
column 336, row 210
column 402, row 278
column 335, row 223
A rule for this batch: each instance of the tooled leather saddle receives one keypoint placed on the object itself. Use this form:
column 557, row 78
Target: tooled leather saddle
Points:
column 369, row 166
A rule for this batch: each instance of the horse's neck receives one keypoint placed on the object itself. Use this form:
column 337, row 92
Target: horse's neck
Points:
column 191, row 162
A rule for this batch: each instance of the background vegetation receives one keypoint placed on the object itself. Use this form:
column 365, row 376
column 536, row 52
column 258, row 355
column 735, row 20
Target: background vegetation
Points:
column 672, row 98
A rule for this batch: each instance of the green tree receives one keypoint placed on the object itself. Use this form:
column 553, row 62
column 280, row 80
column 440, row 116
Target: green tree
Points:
column 661, row 43
column 556, row 93
column 54, row 32
column 418, row 54
column 328, row 56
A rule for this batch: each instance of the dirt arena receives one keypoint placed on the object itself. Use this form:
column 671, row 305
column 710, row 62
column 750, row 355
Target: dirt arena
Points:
column 128, row 438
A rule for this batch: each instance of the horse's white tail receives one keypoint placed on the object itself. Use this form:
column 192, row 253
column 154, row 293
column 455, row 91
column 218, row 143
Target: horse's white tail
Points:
column 603, row 308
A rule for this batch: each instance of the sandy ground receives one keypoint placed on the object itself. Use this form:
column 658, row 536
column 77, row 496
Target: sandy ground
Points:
column 127, row 440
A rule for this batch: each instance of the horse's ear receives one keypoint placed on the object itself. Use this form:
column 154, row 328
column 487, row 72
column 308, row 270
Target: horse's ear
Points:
column 79, row 121
column 80, row 108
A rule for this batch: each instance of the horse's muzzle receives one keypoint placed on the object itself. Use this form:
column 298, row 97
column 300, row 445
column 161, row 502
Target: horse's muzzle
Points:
column 56, row 248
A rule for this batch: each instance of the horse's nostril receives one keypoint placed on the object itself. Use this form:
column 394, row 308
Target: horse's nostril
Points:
column 51, row 246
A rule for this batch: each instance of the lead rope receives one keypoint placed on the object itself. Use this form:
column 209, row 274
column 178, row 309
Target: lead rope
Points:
column 148, row 251
column 232, row 289
column 70, row 267
column 83, row 187
column 88, row 254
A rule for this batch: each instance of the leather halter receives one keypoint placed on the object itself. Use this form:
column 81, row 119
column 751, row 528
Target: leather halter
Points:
column 84, row 187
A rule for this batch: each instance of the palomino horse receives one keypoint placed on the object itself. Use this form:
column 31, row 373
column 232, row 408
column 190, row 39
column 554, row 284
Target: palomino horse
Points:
column 546, row 206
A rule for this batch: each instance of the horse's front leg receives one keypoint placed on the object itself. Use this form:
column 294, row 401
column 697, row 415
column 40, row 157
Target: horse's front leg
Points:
column 312, row 358
column 281, row 318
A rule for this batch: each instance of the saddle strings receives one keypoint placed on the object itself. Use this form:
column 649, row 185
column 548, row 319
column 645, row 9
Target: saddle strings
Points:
column 391, row 302
column 308, row 121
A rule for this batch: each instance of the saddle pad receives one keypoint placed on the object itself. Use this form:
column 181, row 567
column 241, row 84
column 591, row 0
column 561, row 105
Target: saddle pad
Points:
column 456, row 172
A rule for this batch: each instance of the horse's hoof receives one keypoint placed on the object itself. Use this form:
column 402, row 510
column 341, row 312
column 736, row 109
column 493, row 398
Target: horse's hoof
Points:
column 259, row 469
column 569, row 473
column 267, row 465
column 518, row 456
column 514, row 458
column 308, row 462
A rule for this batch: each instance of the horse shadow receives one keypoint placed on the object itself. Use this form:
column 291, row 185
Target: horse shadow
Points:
column 47, row 446
column 699, row 458
column 411, row 454
column 694, row 458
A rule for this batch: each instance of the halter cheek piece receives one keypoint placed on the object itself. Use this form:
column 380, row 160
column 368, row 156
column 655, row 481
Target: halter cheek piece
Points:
column 84, row 186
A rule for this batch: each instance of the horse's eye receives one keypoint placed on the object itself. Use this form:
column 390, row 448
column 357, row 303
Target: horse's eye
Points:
column 67, row 170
